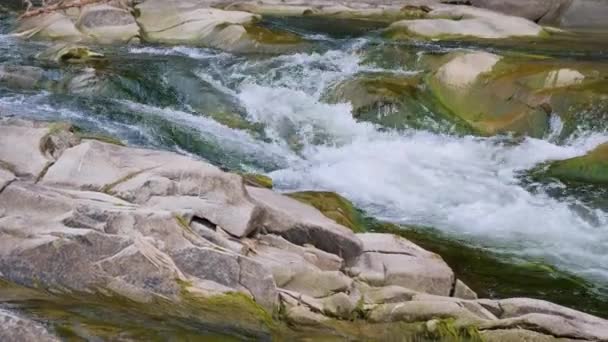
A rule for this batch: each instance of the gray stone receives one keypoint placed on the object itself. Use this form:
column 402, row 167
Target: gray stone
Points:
column 386, row 294
column 160, row 180
column 107, row 24
column 339, row 305
column 302, row 224
column 417, row 311
column 323, row 260
column 518, row 335
column 303, row 316
column 6, row 177
column 258, row 280
column 552, row 325
column 20, row 150
column 192, row 22
column 391, row 260
column 22, row 77
column 51, row 26
column 14, row 328
column 584, row 14
column 461, row 290
column 533, row 10
column 292, row 272
column 465, row 21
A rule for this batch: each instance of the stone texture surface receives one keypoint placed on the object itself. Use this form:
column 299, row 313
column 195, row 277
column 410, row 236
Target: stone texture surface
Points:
column 391, row 260
column 14, row 328
column 465, row 21
column 160, row 180
column 302, row 224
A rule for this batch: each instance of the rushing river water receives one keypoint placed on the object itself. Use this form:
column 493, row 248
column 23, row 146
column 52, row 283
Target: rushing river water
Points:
column 429, row 175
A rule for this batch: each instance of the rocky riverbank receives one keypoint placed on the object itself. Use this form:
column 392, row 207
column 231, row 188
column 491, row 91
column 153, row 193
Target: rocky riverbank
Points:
column 176, row 237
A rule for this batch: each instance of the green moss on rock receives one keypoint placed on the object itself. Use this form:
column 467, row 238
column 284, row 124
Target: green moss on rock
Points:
column 590, row 168
column 334, row 207
column 257, row 180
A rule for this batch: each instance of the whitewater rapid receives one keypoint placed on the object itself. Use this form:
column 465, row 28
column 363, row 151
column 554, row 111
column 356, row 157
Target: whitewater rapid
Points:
column 465, row 186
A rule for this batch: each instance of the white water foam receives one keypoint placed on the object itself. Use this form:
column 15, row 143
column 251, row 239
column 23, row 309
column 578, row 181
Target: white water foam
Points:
column 467, row 186
column 195, row 53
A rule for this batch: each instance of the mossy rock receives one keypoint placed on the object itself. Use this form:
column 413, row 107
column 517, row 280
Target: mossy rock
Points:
column 84, row 134
column 395, row 101
column 264, row 35
column 518, row 93
column 71, row 53
column 590, row 168
column 490, row 101
column 334, row 207
column 257, row 180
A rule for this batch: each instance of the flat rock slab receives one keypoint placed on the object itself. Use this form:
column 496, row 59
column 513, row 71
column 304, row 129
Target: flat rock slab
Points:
column 160, row 180
column 391, row 260
column 303, row 224
column 20, row 150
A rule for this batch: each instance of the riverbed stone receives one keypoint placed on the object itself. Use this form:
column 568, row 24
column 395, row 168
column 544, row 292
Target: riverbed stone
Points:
column 51, row 26
column 590, row 168
column 473, row 87
column 416, row 311
column 294, row 271
column 160, row 180
column 553, row 325
column 15, row 328
column 6, row 177
column 449, row 22
column 107, row 24
column 391, row 260
column 22, row 77
column 302, row 224
column 29, row 160
column 461, row 290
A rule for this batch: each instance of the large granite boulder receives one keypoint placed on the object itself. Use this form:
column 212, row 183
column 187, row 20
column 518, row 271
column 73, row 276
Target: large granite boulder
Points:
column 104, row 23
column 391, row 260
column 590, row 168
column 450, row 22
column 302, row 224
column 160, row 180
column 193, row 22
column 581, row 14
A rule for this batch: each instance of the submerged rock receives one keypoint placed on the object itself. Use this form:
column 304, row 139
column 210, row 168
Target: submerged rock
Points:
column 471, row 88
column 22, row 77
column 69, row 53
column 590, row 168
